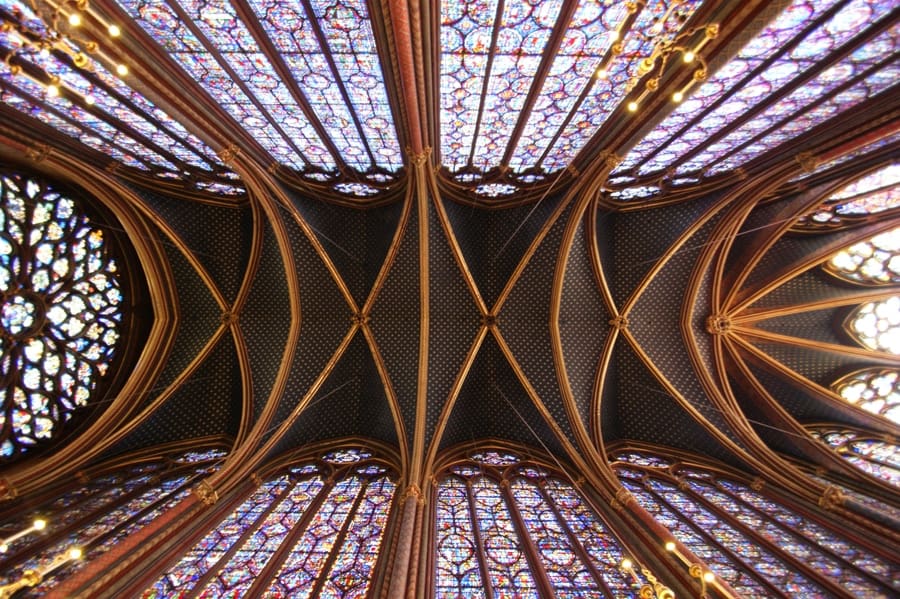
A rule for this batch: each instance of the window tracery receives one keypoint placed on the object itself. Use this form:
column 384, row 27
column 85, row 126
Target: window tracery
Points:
column 876, row 325
column 875, row 390
column 99, row 514
column 755, row 542
column 97, row 107
column 325, row 519
column 872, row 455
column 325, row 79
column 697, row 136
column 503, row 525
column 61, row 311
column 875, row 261
column 870, row 194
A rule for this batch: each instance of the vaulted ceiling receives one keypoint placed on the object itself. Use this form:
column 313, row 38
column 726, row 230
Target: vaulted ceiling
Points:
column 429, row 225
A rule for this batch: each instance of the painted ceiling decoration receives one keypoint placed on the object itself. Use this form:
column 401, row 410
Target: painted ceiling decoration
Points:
column 394, row 257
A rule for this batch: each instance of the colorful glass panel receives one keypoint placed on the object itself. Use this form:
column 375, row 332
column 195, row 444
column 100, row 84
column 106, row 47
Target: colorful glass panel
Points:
column 878, row 458
column 221, row 79
column 491, row 53
column 235, row 577
column 774, row 59
column 831, row 552
column 875, row 261
column 725, row 547
column 868, row 69
column 104, row 521
column 540, row 521
column 504, row 556
column 876, row 325
column 197, row 561
column 813, row 545
column 350, row 48
column 567, row 573
column 344, row 533
column 354, row 562
column 457, row 570
column 97, row 107
column 657, row 24
column 723, row 520
column 874, row 390
column 298, row 574
column 60, row 313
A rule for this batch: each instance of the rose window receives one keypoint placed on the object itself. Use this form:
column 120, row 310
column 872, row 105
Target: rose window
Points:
column 59, row 311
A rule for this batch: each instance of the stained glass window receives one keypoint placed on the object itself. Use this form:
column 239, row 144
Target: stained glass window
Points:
column 873, row 193
column 288, row 75
column 750, row 539
column 696, row 137
column 875, row 261
column 325, row 519
column 93, row 105
column 874, row 456
column 99, row 514
column 876, row 325
column 60, row 315
column 874, row 390
column 490, row 56
column 504, row 525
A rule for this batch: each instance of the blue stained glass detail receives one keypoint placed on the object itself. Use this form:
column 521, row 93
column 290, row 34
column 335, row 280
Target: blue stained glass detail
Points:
column 609, row 91
column 271, row 102
column 790, row 115
column 209, row 550
column 110, row 96
column 456, row 562
column 354, row 562
column 235, row 577
column 708, row 110
column 304, row 563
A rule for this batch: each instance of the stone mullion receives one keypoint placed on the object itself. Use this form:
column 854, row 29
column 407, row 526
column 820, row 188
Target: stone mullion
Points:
column 573, row 540
column 479, row 542
column 223, row 561
column 789, row 559
column 735, row 559
column 531, row 553
column 772, row 520
column 339, row 539
column 277, row 560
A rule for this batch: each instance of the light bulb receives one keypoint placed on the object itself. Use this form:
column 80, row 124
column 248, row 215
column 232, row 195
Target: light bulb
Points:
column 74, row 19
column 602, row 73
column 613, row 36
column 114, row 31
column 122, row 70
column 709, row 576
column 53, row 91
column 4, row 547
column 39, row 524
column 689, row 57
column 626, row 564
column 677, row 97
column 632, row 106
column 670, row 546
column 74, row 553
column 89, row 100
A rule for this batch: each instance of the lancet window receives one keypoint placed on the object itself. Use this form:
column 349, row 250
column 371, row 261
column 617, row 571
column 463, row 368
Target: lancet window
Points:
column 870, row 454
column 757, row 543
column 875, row 192
column 312, row 530
column 505, row 526
column 92, row 517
